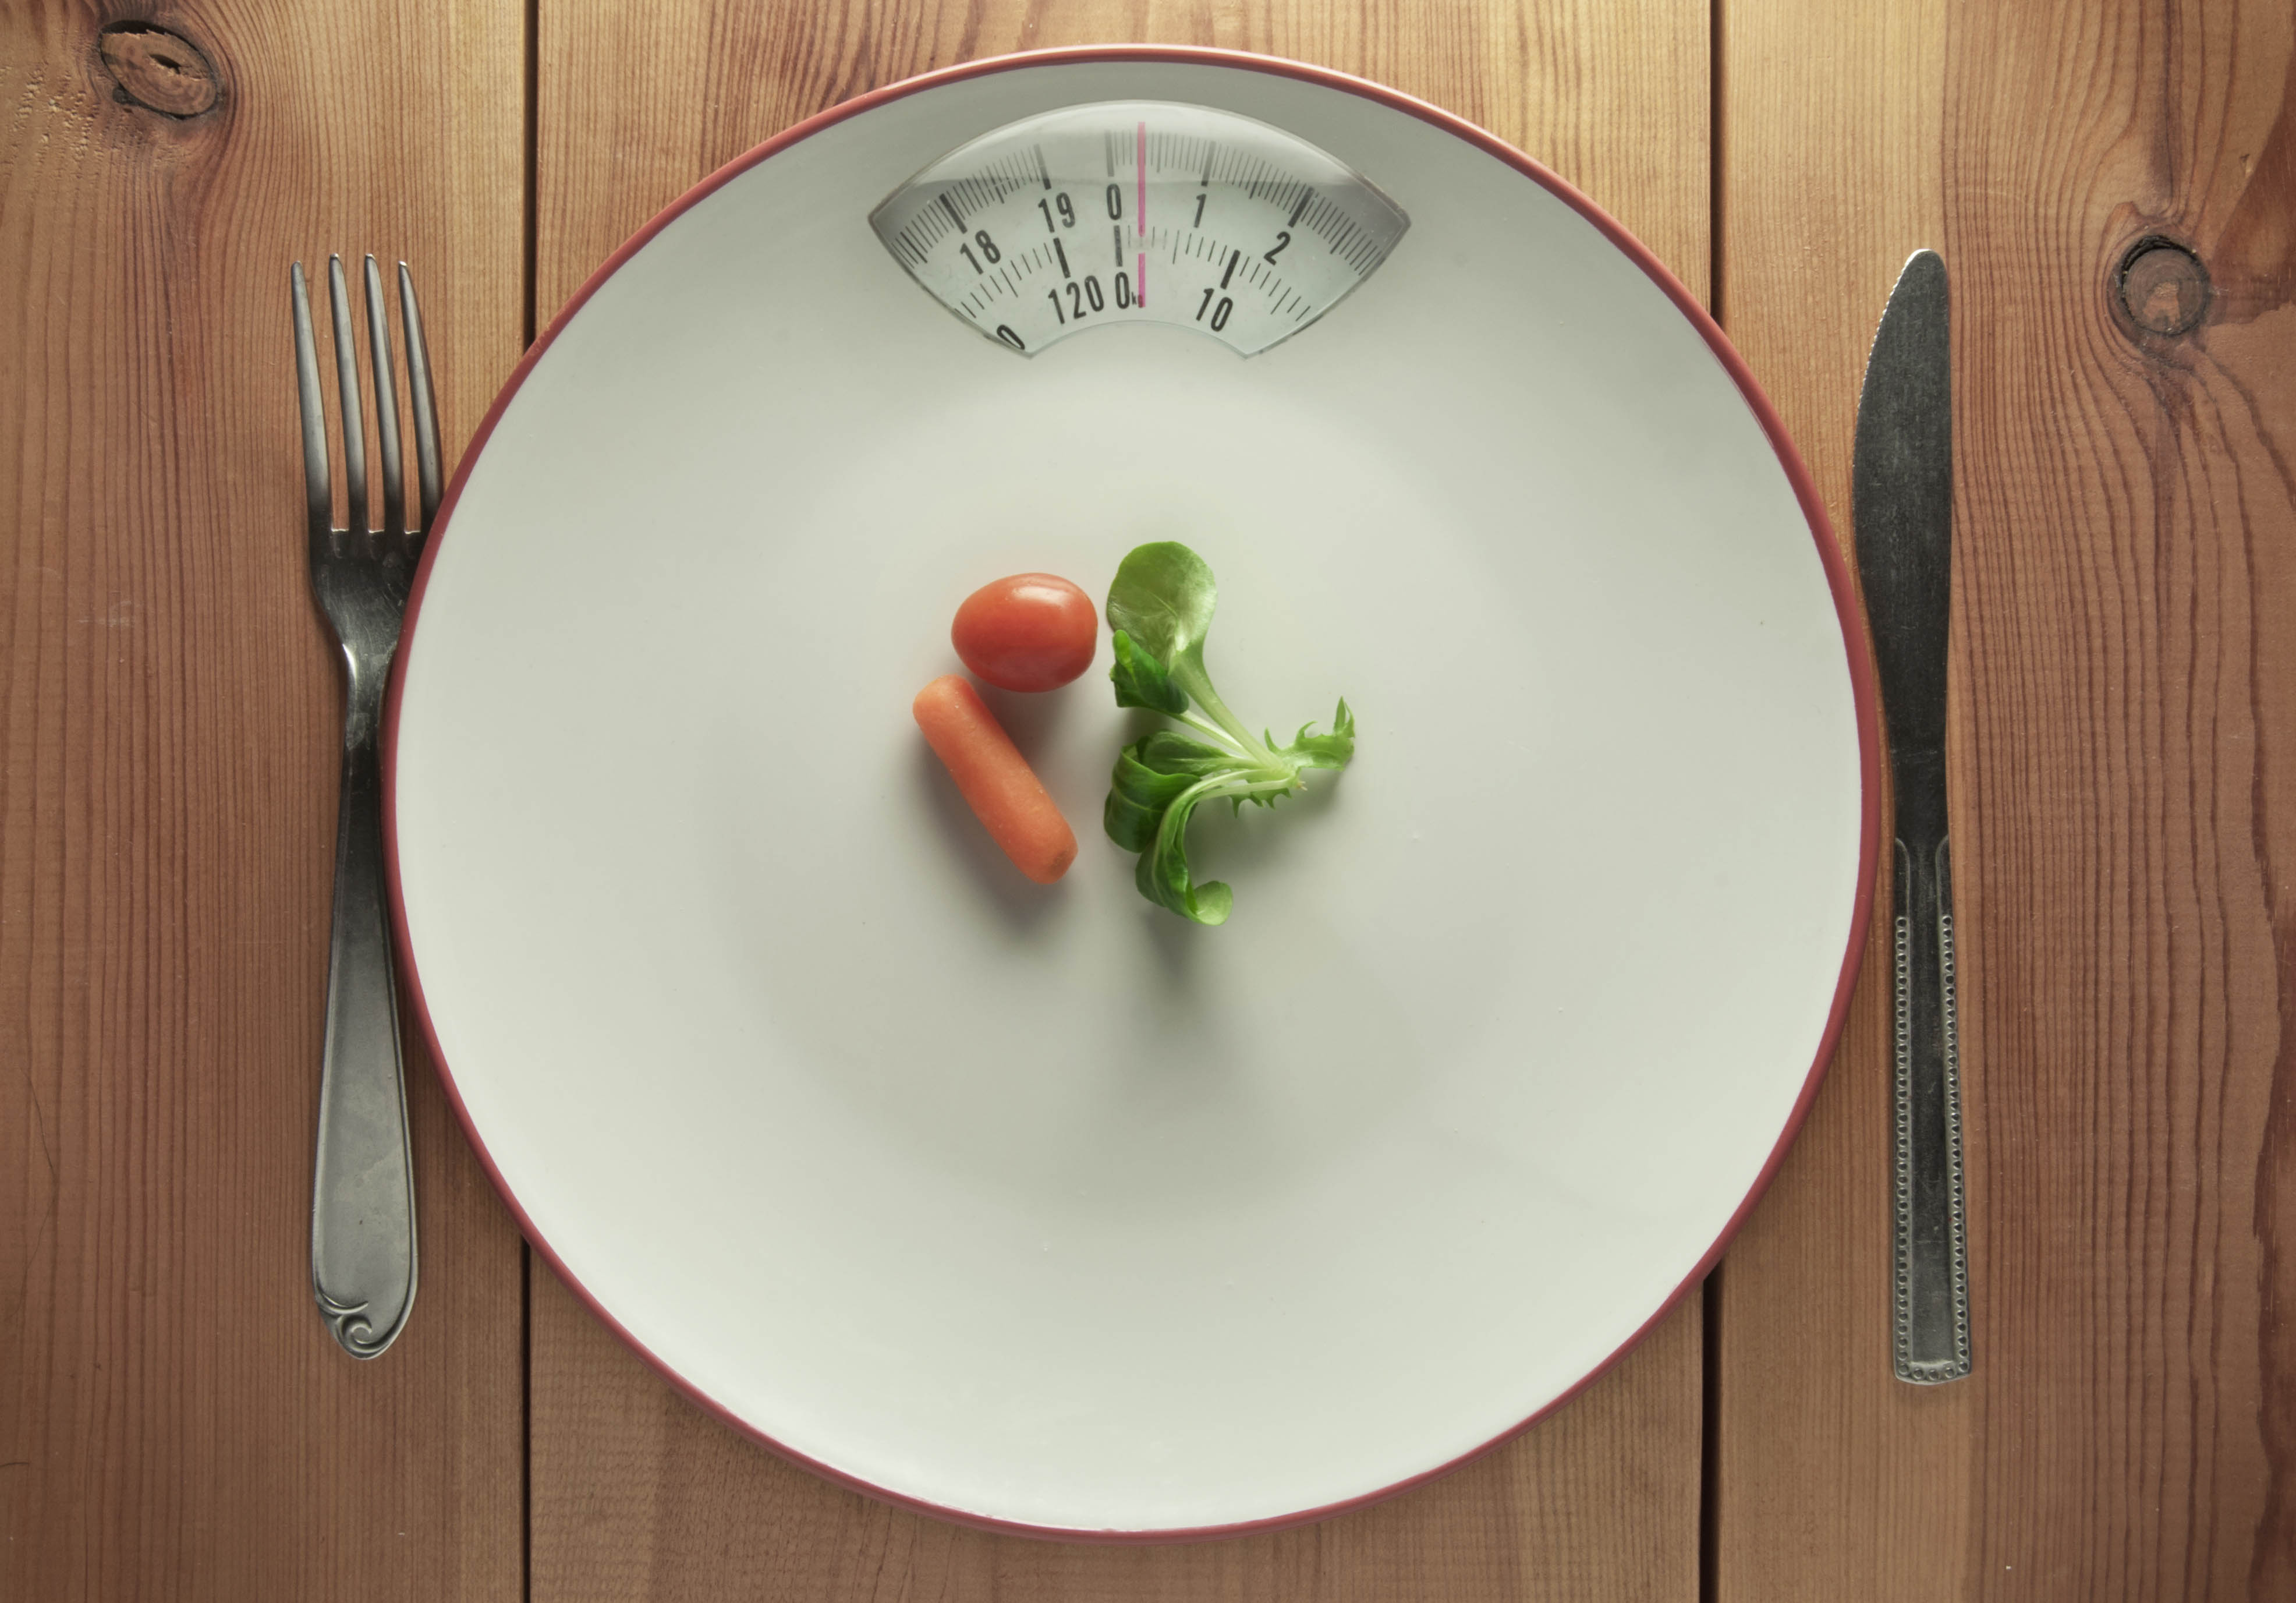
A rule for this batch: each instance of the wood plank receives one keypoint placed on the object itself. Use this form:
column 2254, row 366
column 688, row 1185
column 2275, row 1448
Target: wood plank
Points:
column 174, row 1419
column 636, row 1494
column 2125, row 808
column 1617, row 103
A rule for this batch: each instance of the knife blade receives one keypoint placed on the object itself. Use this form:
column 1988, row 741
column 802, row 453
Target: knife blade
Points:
column 1901, row 498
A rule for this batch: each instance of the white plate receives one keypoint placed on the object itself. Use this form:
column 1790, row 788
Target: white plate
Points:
column 1042, row 1208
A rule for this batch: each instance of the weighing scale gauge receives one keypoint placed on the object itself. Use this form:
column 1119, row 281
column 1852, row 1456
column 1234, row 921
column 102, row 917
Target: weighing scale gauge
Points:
column 1128, row 211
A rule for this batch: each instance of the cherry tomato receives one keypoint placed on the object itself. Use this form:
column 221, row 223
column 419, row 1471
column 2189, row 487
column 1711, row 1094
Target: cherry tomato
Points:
column 1032, row 631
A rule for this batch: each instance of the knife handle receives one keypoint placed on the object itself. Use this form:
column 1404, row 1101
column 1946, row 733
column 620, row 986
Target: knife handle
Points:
column 1931, row 1314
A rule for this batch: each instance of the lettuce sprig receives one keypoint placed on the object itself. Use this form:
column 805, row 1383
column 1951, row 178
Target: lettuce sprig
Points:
column 1161, row 609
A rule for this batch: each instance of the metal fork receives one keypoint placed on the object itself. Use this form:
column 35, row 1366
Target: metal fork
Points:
column 363, row 1185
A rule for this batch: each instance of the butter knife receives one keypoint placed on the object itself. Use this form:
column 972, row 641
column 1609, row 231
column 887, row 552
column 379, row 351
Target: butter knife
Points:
column 1901, row 497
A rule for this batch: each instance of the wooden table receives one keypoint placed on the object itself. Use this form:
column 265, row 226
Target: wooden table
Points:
column 173, row 1423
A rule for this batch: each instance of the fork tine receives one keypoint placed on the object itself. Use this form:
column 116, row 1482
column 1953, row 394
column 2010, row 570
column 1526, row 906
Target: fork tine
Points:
column 359, row 505
column 386, row 404
column 426, row 414
column 318, row 492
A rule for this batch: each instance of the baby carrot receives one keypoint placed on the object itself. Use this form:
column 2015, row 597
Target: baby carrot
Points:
column 1003, row 791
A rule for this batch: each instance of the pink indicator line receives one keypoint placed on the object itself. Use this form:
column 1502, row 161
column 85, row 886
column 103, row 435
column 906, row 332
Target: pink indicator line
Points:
column 1140, row 212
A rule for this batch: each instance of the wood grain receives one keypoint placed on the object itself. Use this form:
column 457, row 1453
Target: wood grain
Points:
column 638, row 1495
column 2125, row 809
column 1615, row 99
column 174, row 1420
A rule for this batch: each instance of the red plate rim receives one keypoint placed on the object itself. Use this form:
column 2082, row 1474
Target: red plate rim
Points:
column 1838, row 577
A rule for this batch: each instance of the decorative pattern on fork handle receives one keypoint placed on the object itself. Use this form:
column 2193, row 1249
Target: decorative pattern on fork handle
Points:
column 362, row 1240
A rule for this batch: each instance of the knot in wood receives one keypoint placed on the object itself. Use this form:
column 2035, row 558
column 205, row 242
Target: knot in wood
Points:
column 2164, row 287
column 158, row 70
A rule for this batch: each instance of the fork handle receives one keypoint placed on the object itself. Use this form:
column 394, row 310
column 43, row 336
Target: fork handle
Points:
column 363, row 1185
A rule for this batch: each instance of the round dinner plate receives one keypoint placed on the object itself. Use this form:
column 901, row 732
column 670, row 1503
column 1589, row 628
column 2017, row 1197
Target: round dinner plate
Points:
column 1041, row 1207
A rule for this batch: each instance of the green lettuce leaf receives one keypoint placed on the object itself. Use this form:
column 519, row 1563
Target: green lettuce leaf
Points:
column 1160, row 608
column 1141, row 680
